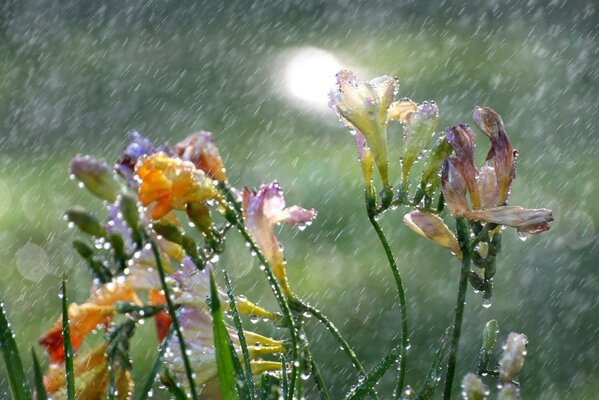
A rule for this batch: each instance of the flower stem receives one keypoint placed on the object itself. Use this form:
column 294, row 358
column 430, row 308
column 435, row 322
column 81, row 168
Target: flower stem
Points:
column 405, row 340
column 172, row 312
column 336, row 334
column 234, row 216
column 462, row 231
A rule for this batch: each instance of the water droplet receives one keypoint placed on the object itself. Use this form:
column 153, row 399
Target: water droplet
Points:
column 486, row 303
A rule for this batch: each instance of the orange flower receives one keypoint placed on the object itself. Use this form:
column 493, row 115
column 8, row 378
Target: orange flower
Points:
column 199, row 148
column 84, row 318
column 171, row 183
column 91, row 377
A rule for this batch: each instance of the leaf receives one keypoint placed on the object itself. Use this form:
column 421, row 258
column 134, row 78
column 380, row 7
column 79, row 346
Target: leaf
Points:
column 19, row 387
column 266, row 386
column 249, row 377
column 149, row 383
column 433, row 378
column 40, row 389
column 369, row 382
column 174, row 388
column 68, row 347
column 224, row 355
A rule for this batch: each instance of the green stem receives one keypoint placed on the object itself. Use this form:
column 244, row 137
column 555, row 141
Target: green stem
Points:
column 405, row 340
column 234, row 215
column 463, row 239
column 324, row 393
column 172, row 312
column 336, row 334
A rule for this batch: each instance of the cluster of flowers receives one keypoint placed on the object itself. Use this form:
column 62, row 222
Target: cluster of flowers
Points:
column 156, row 185
column 169, row 211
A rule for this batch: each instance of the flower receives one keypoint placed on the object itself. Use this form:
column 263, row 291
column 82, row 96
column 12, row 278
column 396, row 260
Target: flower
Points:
column 91, row 377
column 171, row 183
column 138, row 147
column 363, row 107
column 262, row 209
column 512, row 359
column 473, row 388
column 84, row 318
column 433, row 228
column 199, row 148
column 419, row 125
column 489, row 187
column 96, row 176
column 196, row 321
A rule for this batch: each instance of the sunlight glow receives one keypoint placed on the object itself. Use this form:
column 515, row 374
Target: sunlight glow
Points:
column 310, row 74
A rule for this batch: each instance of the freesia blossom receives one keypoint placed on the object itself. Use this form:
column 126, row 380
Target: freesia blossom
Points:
column 262, row 210
column 84, row 318
column 489, row 187
column 171, row 183
column 91, row 377
column 200, row 149
column 433, row 228
column 363, row 106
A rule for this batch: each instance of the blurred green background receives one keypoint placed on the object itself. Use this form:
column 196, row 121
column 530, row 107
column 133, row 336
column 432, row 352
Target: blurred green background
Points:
column 76, row 76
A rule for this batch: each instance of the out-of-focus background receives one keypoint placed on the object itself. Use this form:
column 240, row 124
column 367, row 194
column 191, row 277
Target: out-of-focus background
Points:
column 76, row 76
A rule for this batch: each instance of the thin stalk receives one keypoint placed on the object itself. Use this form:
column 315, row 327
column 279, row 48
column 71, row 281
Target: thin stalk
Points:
column 337, row 335
column 172, row 312
column 149, row 383
column 66, row 338
column 324, row 393
column 405, row 340
column 234, row 215
column 462, row 231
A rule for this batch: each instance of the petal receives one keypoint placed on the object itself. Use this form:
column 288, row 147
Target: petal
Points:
column 399, row 110
column 200, row 149
column 524, row 219
column 433, row 228
column 418, row 134
column 487, row 187
column 453, row 187
column 502, row 152
column 461, row 139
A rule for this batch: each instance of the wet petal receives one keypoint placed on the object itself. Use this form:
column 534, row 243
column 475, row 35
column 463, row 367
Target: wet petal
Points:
column 433, row 228
column 418, row 134
column 171, row 183
column 524, row 219
column 461, row 139
column 200, row 149
column 502, row 152
column 454, row 187
column 399, row 110
column 487, row 187
column 138, row 147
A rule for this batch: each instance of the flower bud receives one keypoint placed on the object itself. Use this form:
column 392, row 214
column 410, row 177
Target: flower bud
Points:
column 199, row 214
column 418, row 134
column 433, row 228
column 85, row 221
column 96, row 176
column 509, row 391
column 473, row 388
column 438, row 155
column 512, row 359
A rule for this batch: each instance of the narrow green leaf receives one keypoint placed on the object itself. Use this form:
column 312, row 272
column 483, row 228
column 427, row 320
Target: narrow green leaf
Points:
column 369, row 382
column 249, row 377
column 66, row 338
column 174, row 388
column 224, row 355
column 173, row 314
column 433, row 378
column 14, row 367
column 40, row 389
column 149, row 383
column 266, row 386
column 284, row 383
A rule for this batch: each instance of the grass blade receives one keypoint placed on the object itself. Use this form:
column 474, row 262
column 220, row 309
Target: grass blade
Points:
column 433, row 378
column 149, row 383
column 266, row 386
column 19, row 387
column 68, row 347
column 40, row 389
column 173, row 387
column 367, row 385
column 173, row 314
column 224, row 355
column 249, row 377
column 284, row 383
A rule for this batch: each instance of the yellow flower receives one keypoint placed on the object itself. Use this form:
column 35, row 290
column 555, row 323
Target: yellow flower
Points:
column 171, row 183
column 363, row 106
